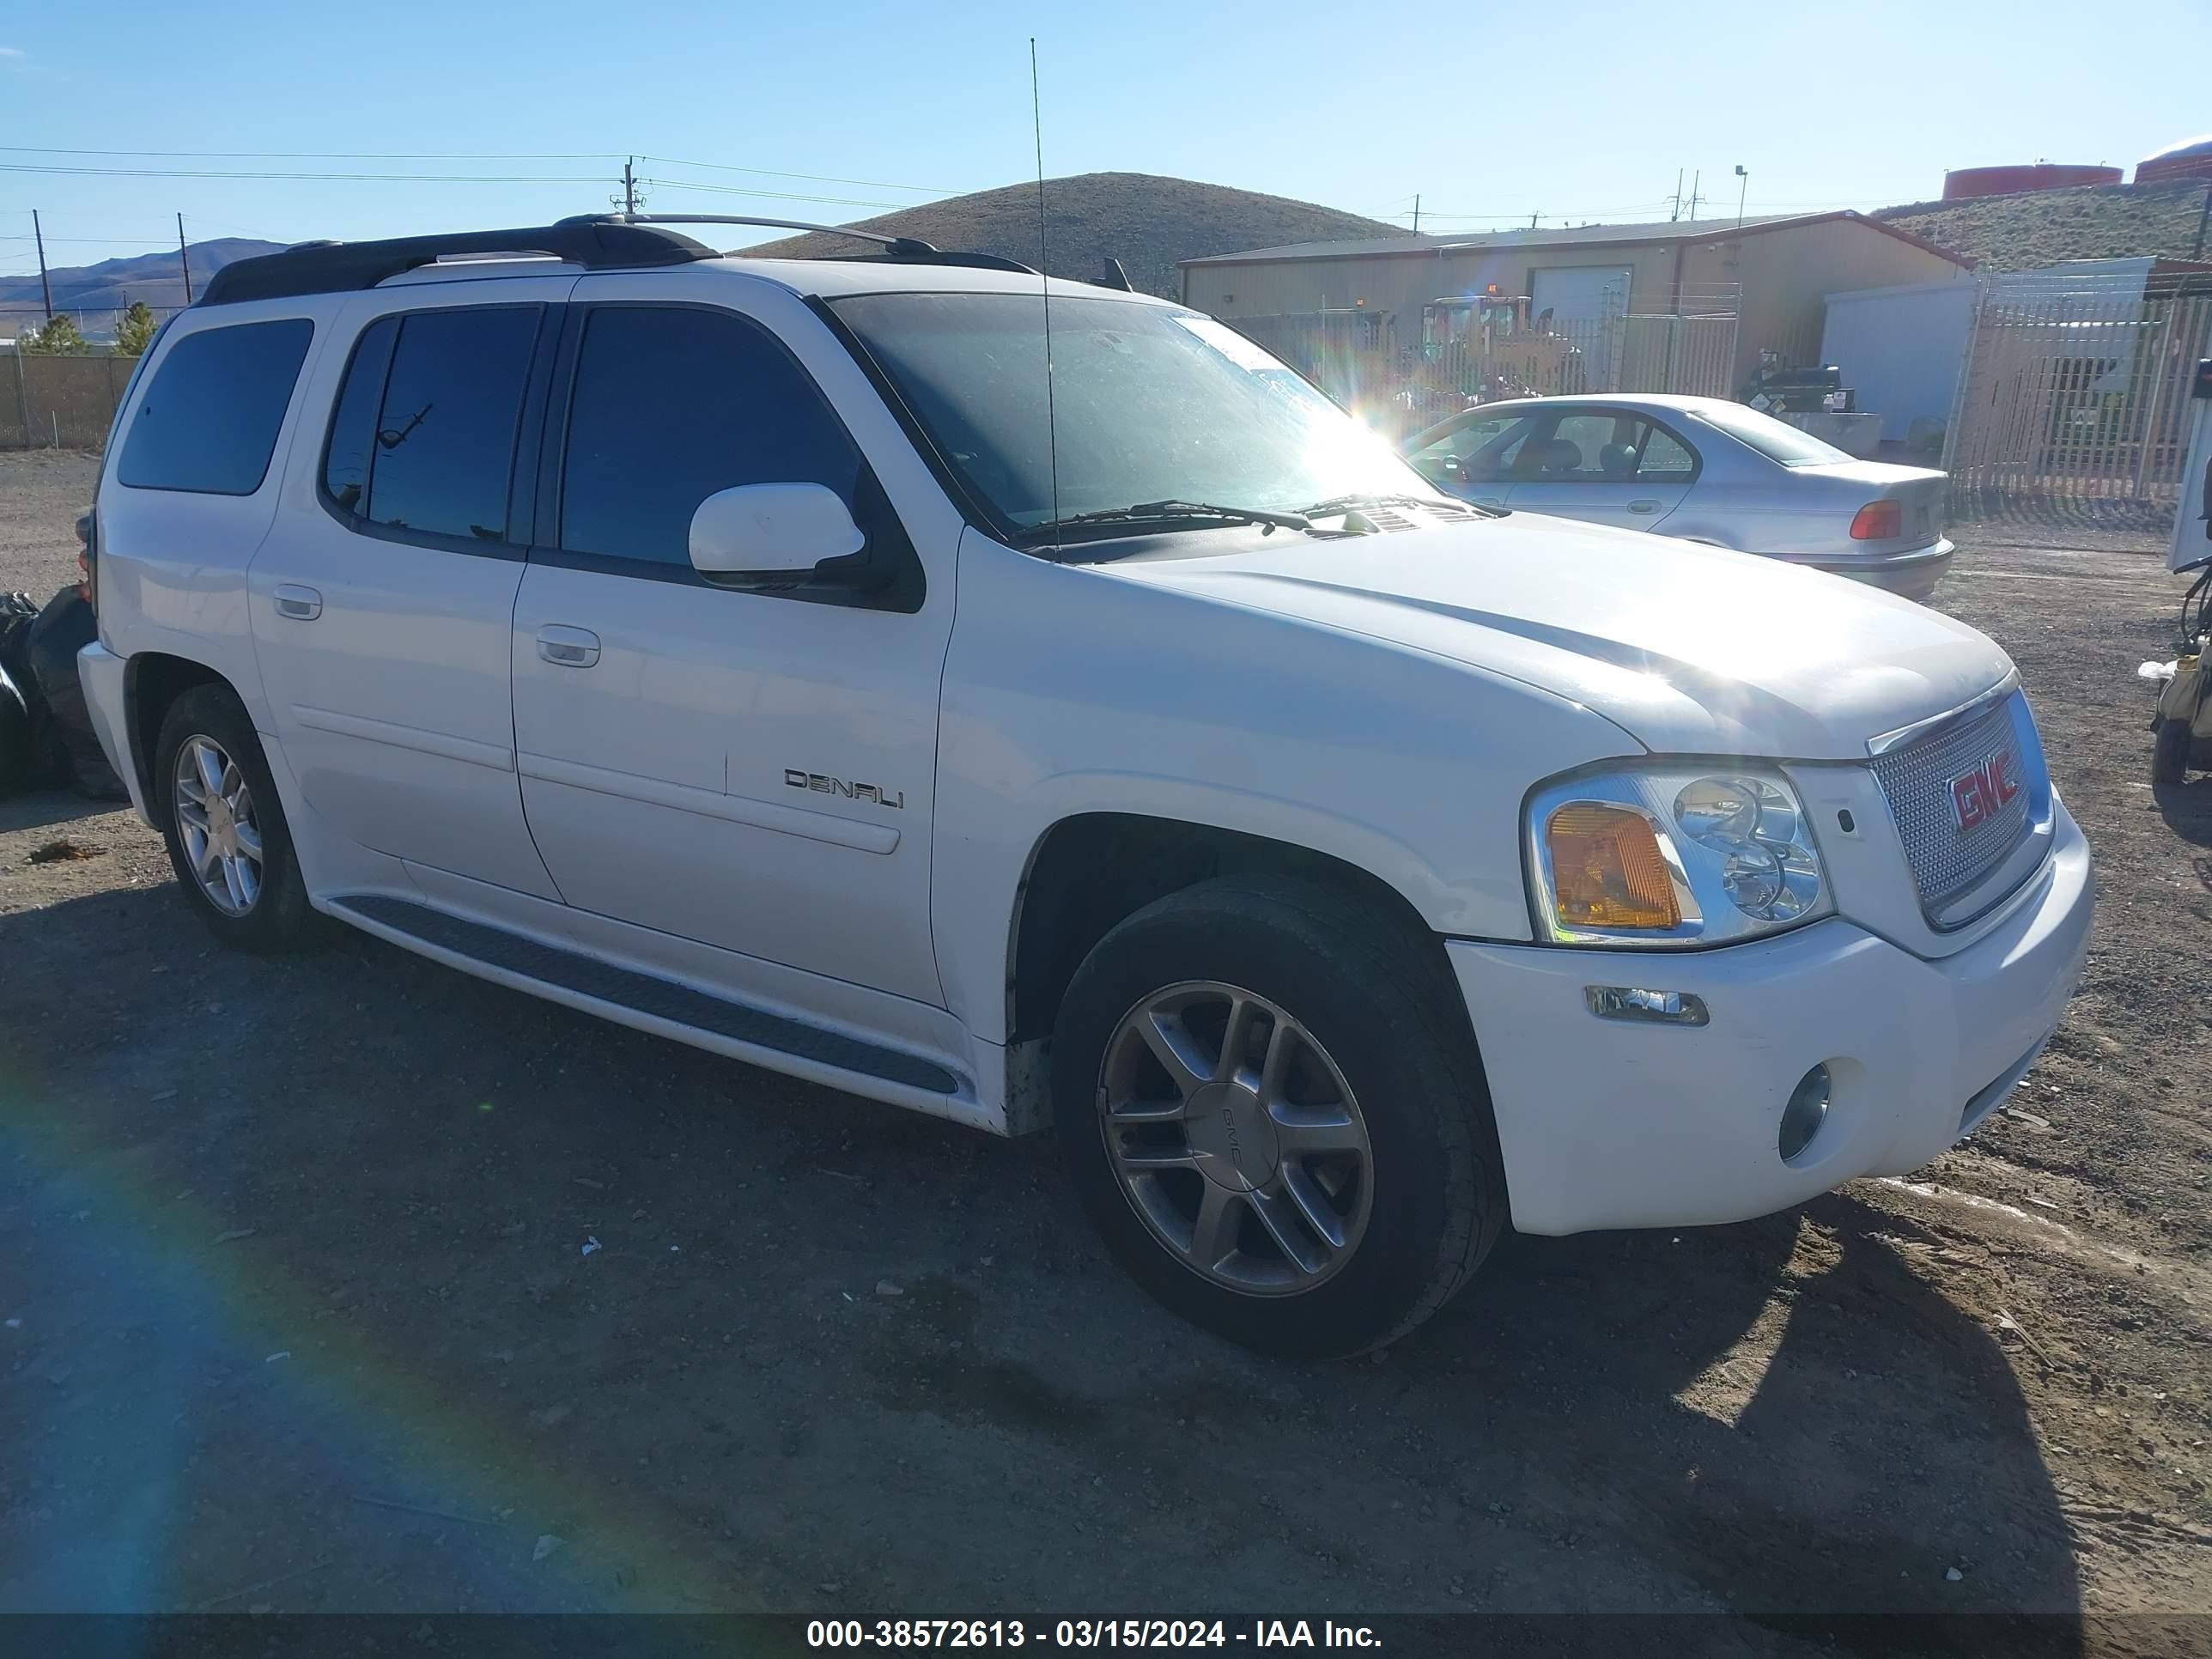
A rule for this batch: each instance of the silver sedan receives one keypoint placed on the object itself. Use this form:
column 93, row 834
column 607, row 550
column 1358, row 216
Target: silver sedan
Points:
column 1700, row 468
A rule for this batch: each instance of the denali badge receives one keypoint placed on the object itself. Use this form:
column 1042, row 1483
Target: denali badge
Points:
column 1979, row 795
column 826, row 786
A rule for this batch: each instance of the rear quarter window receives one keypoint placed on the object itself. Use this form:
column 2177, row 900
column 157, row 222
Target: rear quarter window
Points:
column 209, row 421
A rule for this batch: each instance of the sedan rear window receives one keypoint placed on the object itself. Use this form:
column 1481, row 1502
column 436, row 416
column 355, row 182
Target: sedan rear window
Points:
column 1778, row 440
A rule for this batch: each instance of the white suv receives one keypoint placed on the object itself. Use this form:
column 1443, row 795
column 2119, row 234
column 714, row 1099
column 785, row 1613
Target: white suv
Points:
column 799, row 660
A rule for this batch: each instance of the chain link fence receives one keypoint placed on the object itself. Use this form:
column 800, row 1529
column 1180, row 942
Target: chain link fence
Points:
column 60, row 403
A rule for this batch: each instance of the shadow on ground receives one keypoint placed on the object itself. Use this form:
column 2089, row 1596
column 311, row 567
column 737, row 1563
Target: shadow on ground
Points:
column 358, row 1276
column 49, row 807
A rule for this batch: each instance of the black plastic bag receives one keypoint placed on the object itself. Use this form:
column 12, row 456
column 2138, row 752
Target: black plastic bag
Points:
column 26, row 755
column 64, row 627
column 37, row 750
column 18, row 753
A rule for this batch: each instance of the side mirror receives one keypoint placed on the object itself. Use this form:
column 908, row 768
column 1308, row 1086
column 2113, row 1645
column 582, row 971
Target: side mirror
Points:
column 772, row 532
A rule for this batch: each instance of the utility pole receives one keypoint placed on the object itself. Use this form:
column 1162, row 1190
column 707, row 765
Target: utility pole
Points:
column 183, row 258
column 1532, row 221
column 1417, row 214
column 630, row 185
column 1696, row 179
column 1740, row 190
column 45, row 288
column 1676, row 214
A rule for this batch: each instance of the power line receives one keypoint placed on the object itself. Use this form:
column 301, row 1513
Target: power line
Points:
column 464, row 156
column 376, row 178
column 315, row 155
column 773, row 194
column 815, row 177
column 1571, row 213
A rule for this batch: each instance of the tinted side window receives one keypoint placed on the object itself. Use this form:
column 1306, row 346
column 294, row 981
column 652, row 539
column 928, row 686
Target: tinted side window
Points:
column 443, row 454
column 209, row 419
column 670, row 405
column 353, row 425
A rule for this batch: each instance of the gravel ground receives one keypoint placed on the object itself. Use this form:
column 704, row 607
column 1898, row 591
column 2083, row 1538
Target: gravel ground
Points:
column 297, row 1316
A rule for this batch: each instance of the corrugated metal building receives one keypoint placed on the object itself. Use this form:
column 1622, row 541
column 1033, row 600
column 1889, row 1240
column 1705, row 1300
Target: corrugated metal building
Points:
column 1775, row 270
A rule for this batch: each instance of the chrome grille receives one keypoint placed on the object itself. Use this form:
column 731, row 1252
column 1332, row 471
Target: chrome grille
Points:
column 1946, row 860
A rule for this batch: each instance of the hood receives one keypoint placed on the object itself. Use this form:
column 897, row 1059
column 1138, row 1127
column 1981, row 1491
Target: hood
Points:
column 1689, row 649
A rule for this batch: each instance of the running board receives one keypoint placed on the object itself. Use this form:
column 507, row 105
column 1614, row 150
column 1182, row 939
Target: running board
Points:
column 571, row 974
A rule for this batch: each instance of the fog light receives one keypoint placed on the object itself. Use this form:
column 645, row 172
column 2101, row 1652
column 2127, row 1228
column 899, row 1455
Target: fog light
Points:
column 1630, row 1002
column 1807, row 1110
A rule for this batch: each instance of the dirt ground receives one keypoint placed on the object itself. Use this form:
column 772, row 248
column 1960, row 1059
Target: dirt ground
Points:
column 297, row 1315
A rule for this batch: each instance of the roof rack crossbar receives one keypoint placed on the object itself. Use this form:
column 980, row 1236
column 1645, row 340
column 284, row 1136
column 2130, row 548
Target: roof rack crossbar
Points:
column 597, row 244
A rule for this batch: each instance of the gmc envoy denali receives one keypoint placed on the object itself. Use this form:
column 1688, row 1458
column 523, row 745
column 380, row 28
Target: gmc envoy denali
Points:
column 805, row 661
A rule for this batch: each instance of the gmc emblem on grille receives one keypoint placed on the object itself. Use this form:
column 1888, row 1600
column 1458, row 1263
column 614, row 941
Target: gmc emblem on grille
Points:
column 1979, row 795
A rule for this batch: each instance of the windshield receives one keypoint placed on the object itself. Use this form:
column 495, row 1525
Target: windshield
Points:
column 1151, row 404
column 1778, row 440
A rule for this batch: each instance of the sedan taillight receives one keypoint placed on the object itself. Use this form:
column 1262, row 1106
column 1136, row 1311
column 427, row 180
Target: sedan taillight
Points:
column 1877, row 521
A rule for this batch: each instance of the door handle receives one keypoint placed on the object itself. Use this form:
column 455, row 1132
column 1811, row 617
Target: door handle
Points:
column 567, row 647
column 1644, row 507
column 300, row 603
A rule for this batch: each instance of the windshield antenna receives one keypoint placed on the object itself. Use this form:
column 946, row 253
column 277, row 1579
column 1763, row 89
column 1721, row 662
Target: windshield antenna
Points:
column 1051, row 421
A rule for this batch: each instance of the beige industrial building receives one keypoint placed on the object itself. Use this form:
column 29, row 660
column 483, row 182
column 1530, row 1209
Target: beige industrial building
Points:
column 1774, row 272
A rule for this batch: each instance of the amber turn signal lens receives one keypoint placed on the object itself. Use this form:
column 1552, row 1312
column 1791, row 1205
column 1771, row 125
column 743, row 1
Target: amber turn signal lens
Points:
column 1606, row 869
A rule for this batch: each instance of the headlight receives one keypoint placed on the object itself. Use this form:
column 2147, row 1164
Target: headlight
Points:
column 1671, row 855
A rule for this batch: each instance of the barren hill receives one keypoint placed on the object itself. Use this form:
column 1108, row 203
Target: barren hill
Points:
column 1146, row 221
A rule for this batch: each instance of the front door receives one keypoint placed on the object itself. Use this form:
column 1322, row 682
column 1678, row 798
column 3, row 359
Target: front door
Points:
column 1472, row 456
column 382, row 607
column 748, row 766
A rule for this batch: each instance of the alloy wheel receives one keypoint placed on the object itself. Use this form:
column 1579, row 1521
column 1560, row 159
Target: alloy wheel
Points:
column 216, row 824
column 1236, row 1139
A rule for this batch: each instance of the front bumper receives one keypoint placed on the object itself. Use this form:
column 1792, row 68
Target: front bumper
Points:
column 1605, row 1123
column 100, row 671
column 1913, row 574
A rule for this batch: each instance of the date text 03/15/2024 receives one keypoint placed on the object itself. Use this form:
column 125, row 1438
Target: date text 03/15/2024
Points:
column 1083, row 1633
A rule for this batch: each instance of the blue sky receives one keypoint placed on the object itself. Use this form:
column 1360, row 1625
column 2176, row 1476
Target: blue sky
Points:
column 1490, row 112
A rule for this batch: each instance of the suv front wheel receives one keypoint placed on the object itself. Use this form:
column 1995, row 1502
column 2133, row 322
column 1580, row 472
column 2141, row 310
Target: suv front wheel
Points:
column 1271, row 1110
column 225, row 827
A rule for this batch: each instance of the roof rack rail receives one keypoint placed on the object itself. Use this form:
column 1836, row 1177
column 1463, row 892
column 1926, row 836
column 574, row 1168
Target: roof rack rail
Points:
column 910, row 248
column 596, row 244
column 906, row 246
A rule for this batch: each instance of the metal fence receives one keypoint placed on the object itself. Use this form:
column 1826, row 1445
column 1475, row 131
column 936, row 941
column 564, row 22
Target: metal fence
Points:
column 1358, row 360
column 2072, row 410
column 60, row 402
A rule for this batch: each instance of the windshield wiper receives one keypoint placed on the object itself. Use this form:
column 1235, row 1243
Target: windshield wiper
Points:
column 1171, row 511
column 1336, row 504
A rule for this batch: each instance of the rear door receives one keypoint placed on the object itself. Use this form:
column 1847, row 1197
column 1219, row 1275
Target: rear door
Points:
column 382, row 602
column 1603, row 465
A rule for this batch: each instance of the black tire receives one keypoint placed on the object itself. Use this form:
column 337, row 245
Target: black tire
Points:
column 1379, row 999
column 19, row 756
column 279, row 917
column 2169, row 755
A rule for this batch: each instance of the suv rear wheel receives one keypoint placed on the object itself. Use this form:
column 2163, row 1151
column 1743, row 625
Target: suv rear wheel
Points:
column 1273, row 1111
column 225, row 827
